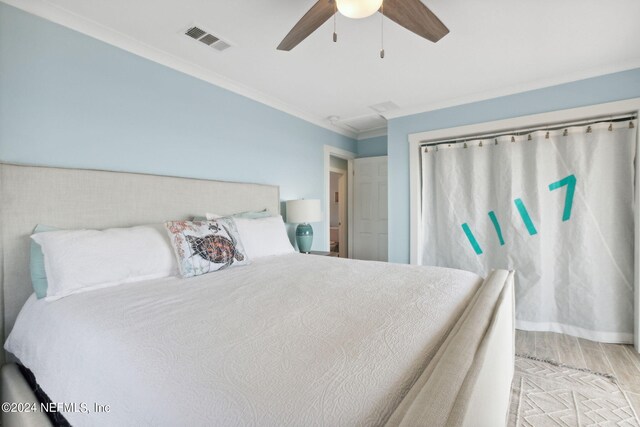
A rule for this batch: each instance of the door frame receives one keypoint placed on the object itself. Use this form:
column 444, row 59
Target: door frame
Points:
column 343, row 173
column 533, row 120
column 329, row 151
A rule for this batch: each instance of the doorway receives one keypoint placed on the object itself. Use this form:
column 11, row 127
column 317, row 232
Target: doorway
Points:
column 338, row 170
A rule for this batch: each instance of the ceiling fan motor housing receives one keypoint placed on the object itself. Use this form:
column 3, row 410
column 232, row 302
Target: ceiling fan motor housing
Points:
column 358, row 8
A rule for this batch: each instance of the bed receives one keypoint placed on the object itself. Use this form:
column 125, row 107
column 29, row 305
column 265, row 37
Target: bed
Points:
column 287, row 340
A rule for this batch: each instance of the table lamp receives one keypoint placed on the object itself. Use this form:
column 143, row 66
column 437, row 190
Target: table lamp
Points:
column 302, row 212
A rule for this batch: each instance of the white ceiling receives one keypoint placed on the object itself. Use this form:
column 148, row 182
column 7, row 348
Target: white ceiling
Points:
column 495, row 47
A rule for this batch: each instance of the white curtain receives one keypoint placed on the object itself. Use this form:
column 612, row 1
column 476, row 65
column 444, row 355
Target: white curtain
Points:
column 555, row 206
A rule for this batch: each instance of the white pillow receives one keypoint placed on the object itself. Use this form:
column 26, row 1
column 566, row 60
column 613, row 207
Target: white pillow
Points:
column 264, row 236
column 80, row 260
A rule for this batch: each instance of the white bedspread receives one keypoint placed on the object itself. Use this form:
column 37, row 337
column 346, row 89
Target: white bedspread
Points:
column 289, row 340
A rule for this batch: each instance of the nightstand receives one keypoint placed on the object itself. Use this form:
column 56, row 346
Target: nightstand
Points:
column 323, row 253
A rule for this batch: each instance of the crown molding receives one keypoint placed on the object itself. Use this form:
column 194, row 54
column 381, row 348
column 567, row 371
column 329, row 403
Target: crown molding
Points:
column 66, row 18
column 512, row 90
column 372, row 133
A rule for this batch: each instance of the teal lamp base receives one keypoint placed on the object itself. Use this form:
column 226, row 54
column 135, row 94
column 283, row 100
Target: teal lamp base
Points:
column 304, row 237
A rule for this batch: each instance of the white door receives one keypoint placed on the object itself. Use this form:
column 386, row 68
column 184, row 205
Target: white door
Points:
column 370, row 208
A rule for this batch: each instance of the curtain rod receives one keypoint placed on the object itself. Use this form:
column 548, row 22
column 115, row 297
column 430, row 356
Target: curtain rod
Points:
column 524, row 131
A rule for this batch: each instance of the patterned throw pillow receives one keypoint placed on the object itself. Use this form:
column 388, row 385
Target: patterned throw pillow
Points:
column 206, row 246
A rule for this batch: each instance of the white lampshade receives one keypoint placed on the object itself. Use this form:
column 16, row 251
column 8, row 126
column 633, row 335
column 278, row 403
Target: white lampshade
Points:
column 303, row 211
column 358, row 8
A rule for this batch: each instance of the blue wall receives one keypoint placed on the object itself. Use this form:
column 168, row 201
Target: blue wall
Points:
column 607, row 88
column 372, row 147
column 69, row 100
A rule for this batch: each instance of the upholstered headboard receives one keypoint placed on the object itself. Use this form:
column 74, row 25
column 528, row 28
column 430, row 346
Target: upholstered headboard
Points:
column 78, row 198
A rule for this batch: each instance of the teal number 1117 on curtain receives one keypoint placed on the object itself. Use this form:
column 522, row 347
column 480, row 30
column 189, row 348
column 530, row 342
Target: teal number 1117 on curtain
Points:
column 568, row 181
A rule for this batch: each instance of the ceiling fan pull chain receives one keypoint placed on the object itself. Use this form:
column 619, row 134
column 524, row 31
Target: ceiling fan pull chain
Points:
column 382, row 31
column 335, row 12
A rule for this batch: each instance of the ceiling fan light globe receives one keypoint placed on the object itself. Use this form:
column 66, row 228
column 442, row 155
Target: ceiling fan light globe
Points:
column 358, row 8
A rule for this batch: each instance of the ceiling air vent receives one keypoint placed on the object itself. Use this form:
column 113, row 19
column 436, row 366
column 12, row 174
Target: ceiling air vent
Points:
column 209, row 39
column 221, row 45
column 195, row 32
column 206, row 38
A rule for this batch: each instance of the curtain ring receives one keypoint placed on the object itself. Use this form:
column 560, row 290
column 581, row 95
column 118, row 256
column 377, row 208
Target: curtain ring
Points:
column 631, row 126
column 566, row 132
column 529, row 137
column 496, row 141
column 610, row 127
column 513, row 139
column 465, row 145
column 547, row 135
column 588, row 129
column 480, row 145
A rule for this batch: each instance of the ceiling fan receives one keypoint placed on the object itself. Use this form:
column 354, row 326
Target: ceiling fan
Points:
column 411, row 14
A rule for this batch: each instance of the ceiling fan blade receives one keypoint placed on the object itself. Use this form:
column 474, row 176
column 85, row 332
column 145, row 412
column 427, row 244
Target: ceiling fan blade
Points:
column 416, row 17
column 311, row 21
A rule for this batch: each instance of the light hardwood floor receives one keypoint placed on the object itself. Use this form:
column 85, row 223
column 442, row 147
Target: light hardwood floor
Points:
column 619, row 360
